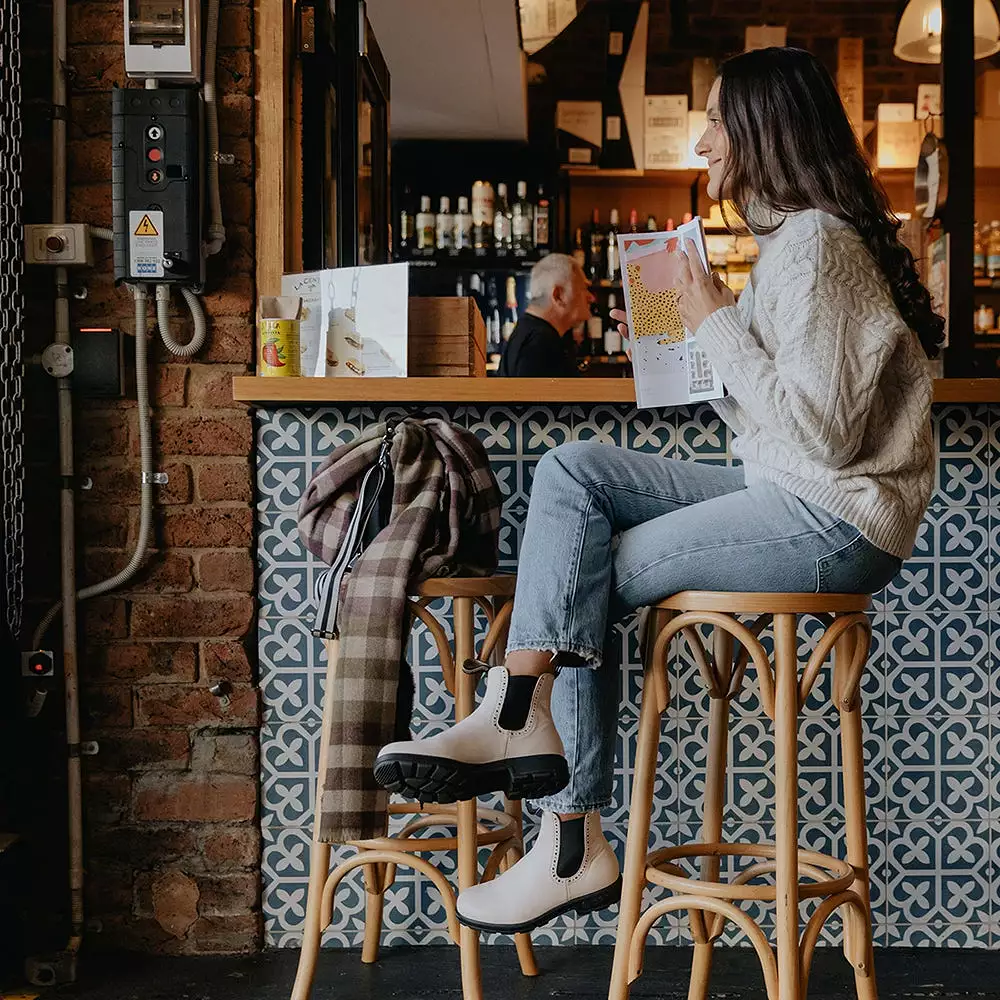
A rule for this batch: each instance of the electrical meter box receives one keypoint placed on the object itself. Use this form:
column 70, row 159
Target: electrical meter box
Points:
column 156, row 186
column 163, row 40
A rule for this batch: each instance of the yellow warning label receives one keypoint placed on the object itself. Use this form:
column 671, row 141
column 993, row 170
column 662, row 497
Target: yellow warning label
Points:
column 146, row 227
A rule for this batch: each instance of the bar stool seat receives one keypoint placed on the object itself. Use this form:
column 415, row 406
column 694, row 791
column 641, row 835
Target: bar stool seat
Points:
column 475, row 826
column 798, row 874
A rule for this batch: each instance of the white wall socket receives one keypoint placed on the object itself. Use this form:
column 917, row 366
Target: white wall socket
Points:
column 65, row 245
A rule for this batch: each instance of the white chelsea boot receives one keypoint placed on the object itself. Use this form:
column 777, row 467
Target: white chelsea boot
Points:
column 533, row 891
column 478, row 755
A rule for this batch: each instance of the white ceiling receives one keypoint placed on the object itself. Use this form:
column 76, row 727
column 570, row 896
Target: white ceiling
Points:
column 456, row 68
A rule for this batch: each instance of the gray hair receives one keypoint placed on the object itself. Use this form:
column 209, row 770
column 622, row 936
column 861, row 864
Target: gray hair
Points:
column 551, row 272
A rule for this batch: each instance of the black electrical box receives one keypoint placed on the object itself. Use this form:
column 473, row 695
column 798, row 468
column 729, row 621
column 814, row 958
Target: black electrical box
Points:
column 156, row 186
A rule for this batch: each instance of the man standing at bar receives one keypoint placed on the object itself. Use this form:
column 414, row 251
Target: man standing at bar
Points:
column 559, row 298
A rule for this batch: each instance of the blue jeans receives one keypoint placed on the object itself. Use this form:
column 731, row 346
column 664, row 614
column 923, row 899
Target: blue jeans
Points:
column 611, row 530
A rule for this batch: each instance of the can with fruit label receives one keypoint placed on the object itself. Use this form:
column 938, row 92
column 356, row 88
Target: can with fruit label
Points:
column 278, row 336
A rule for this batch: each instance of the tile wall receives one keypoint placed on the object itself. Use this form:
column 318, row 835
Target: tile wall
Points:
column 932, row 709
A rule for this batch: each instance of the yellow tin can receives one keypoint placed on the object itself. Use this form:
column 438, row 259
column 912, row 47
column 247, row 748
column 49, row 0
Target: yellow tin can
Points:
column 278, row 337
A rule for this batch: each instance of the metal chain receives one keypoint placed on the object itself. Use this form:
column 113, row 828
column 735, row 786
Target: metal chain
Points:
column 11, row 319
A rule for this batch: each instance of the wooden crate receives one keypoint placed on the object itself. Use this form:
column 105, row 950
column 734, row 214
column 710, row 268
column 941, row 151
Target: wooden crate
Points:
column 447, row 336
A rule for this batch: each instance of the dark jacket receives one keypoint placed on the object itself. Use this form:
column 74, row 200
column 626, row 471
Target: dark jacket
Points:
column 535, row 350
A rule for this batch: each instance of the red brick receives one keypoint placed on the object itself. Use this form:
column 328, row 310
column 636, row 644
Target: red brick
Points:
column 225, row 658
column 91, row 203
column 160, row 662
column 195, row 798
column 240, row 250
column 235, row 298
column 182, row 617
column 89, row 162
column 97, row 67
column 235, row 114
column 103, row 618
column 108, row 887
column 212, row 387
column 237, row 202
column 106, row 797
column 226, row 571
column 234, row 935
column 237, row 846
column 93, row 20
column 202, row 435
column 232, row 337
column 119, row 483
column 225, row 753
column 107, row 706
column 102, row 434
column 220, row 481
column 170, row 386
column 228, row 895
column 235, row 27
column 235, row 72
column 171, row 705
column 103, row 525
column 209, row 527
column 90, row 113
column 162, row 573
column 142, row 749
column 142, row 845
column 175, row 902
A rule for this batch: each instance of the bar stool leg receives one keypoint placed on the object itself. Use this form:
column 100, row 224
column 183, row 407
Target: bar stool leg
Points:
column 374, row 901
column 319, row 852
column 637, row 842
column 852, row 761
column 525, row 951
column 715, row 797
column 468, row 867
column 786, row 805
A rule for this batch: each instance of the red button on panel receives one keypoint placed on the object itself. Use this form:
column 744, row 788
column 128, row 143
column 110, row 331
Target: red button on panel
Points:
column 155, row 154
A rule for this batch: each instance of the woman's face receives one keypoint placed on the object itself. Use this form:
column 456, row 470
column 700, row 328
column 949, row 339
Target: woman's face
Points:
column 714, row 144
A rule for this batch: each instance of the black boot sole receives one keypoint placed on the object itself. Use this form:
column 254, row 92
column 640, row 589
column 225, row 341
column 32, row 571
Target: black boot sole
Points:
column 599, row 900
column 438, row 779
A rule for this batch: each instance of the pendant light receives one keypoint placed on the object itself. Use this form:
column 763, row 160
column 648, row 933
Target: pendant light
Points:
column 918, row 37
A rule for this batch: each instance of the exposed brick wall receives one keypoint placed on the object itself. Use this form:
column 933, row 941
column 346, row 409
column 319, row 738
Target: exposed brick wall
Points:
column 172, row 847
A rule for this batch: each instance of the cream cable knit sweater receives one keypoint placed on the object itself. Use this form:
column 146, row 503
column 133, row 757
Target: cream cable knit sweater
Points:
column 829, row 392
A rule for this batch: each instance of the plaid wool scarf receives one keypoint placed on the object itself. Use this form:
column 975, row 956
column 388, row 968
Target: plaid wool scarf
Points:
column 444, row 520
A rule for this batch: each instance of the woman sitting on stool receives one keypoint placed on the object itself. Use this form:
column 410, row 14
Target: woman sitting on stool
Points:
column 824, row 360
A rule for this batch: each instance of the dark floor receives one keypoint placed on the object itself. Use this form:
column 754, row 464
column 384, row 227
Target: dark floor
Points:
column 425, row 973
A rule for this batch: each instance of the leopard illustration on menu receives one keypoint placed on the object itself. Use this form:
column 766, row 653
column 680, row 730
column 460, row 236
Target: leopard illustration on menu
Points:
column 670, row 369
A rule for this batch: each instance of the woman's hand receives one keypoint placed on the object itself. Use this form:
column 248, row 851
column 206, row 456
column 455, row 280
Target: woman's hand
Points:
column 700, row 293
column 621, row 318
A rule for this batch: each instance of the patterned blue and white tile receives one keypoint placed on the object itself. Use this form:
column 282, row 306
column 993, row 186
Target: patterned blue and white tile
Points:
column 962, row 435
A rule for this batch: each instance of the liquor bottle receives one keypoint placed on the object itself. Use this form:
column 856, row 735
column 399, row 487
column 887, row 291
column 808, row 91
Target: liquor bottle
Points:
column 482, row 216
column 978, row 252
column 612, row 247
column 595, row 260
column 494, row 343
column 460, row 286
column 462, row 231
column 670, row 224
column 444, row 225
column 503, row 219
column 425, row 226
column 522, row 221
column 540, row 234
column 476, row 291
column 687, row 218
column 612, row 338
column 509, row 309
column 633, row 221
column 579, row 254
column 993, row 251
column 407, row 224
column 651, row 223
column 595, row 333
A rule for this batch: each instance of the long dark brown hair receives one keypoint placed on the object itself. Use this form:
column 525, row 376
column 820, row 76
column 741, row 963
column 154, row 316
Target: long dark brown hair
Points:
column 792, row 148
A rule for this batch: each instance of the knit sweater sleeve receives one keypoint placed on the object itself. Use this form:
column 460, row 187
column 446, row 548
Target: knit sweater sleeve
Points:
column 834, row 335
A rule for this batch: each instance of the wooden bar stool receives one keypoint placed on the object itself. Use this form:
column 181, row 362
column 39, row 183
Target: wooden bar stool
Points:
column 476, row 827
column 710, row 903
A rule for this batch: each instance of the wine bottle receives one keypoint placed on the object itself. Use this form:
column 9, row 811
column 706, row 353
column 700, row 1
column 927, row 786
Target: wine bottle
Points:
column 612, row 338
column 482, row 216
column 522, row 221
column 595, row 260
column 541, row 237
column 503, row 239
column 425, row 226
column 595, row 333
column 612, row 247
column 510, row 309
column 579, row 254
column 462, row 238
column 407, row 224
column 444, row 225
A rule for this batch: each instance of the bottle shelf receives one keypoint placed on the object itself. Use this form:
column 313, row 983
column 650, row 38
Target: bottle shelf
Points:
column 993, row 284
column 471, row 261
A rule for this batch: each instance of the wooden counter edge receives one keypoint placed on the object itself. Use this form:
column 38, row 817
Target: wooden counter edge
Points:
column 289, row 391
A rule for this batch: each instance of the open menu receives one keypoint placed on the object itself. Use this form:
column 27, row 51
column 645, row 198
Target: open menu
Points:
column 670, row 369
